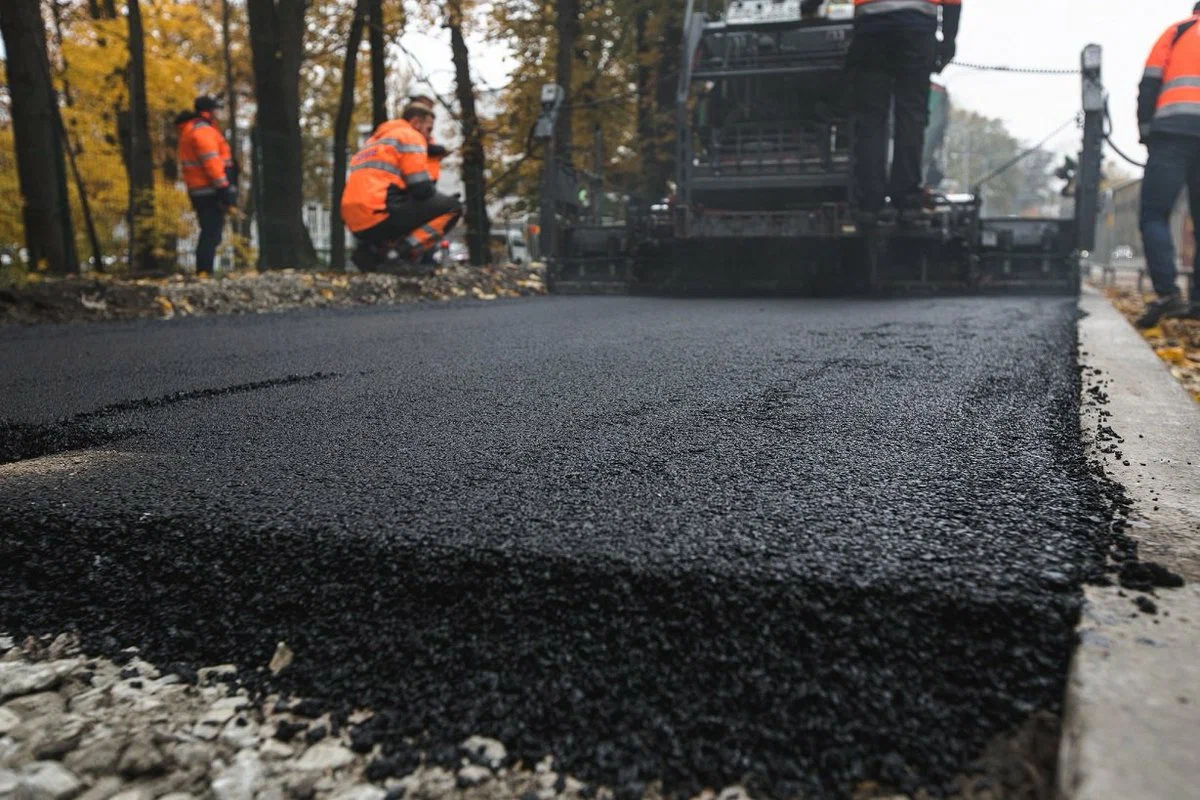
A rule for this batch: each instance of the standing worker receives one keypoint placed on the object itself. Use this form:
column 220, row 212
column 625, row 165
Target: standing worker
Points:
column 895, row 48
column 391, row 200
column 210, row 176
column 1169, row 123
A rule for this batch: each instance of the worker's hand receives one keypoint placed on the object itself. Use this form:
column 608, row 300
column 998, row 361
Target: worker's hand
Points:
column 228, row 196
column 945, row 54
column 1144, row 133
column 436, row 151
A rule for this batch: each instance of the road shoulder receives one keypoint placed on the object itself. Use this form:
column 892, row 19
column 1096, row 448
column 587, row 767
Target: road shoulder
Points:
column 1132, row 711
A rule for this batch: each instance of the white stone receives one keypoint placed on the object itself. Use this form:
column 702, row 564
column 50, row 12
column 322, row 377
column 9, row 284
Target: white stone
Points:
column 178, row 796
column 59, row 735
column 7, row 643
column 734, row 792
column 205, row 673
column 141, row 757
column 96, row 755
column 233, row 704
column 360, row 791
column 473, row 775
column 41, row 704
column 241, row 736
column 194, row 755
column 17, row 679
column 241, row 779
column 91, row 701
column 130, row 689
column 103, row 789
column 9, row 781
column 274, row 749
column 8, row 721
column 270, row 792
column 48, row 780
column 325, row 755
column 487, row 752
column 134, row 793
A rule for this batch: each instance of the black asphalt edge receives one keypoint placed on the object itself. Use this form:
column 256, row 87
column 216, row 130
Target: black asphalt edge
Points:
column 20, row 441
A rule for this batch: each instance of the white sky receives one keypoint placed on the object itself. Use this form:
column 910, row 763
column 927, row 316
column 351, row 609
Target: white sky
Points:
column 1023, row 33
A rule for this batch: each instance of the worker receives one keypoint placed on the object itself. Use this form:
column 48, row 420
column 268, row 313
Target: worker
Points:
column 894, row 50
column 391, row 202
column 209, row 173
column 1169, row 124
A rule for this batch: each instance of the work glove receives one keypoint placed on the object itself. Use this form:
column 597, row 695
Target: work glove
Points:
column 945, row 54
column 810, row 7
column 228, row 196
column 1144, row 133
column 436, row 151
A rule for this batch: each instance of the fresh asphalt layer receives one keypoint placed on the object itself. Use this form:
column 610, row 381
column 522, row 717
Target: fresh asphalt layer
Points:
column 795, row 543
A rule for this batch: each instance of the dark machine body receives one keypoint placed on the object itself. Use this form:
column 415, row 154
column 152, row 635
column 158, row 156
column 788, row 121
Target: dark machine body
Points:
column 763, row 200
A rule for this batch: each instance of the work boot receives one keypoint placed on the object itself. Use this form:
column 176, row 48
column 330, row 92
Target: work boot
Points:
column 1163, row 308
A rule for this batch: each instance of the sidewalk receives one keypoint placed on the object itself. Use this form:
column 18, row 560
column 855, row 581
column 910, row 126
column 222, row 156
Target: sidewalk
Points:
column 1132, row 718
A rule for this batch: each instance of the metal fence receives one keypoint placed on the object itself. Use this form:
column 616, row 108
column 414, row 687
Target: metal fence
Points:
column 1119, row 238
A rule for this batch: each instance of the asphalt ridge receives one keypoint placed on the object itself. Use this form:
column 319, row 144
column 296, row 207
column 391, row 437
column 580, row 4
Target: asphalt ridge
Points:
column 791, row 543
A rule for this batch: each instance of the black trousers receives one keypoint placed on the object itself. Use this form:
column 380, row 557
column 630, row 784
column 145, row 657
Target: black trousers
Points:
column 211, row 215
column 405, row 216
column 889, row 71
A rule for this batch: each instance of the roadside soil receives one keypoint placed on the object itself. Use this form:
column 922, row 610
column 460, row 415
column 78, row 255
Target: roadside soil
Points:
column 95, row 297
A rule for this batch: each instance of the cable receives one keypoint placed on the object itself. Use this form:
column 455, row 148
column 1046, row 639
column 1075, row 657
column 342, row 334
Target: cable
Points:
column 1111, row 143
column 1075, row 120
column 1014, row 70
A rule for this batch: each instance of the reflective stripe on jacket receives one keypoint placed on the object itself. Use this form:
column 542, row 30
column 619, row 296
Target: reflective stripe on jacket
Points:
column 1169, row 99
column 863, row 8
column 204, row 156
column 395, row 155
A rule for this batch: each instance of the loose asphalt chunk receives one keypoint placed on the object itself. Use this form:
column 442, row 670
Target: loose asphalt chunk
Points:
column 796, row 544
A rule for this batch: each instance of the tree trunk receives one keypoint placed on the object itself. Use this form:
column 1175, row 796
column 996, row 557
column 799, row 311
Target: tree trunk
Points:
column 379, row 112
column 140, row 158
column 473, row 159
column 231, row 95
column 567, row 30
column 231, row 103
column 40, row 169
column 341, row 133
column 277, row 46
column 666, row 79
column 647, row 103
column 72, row 150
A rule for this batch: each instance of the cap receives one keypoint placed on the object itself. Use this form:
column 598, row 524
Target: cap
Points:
column 207, row 103
column 422, row 105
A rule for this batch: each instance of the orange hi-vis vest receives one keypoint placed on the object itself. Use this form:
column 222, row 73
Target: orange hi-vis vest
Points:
column 395, row 155
column 864, row 8
column 204, row 157
column 1170, row 90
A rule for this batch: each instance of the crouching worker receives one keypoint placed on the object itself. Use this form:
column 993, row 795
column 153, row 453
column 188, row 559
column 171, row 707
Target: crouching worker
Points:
column 390, row 202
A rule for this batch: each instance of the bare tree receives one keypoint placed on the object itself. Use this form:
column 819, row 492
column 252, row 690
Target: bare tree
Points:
column 139, row 157
column 277, row 45
column 567, row 30
column 40, row 169
column 473, row 159
column 341, row 133
column 379, row 112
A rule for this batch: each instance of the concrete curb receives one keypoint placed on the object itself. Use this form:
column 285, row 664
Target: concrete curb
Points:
column 1131, row 725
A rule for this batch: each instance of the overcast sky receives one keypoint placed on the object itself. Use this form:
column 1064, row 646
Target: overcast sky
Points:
column 1020, row 33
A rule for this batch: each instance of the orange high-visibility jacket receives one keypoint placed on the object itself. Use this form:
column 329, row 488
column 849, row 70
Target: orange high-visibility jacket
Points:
column 864, row 8
column 395, row 155
column 204, row 156
column 1169, row 101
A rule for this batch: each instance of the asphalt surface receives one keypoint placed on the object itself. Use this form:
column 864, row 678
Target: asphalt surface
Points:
column 796, row 543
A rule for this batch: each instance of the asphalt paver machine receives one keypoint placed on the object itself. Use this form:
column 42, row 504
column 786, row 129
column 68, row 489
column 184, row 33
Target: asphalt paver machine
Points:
column 763, row 199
